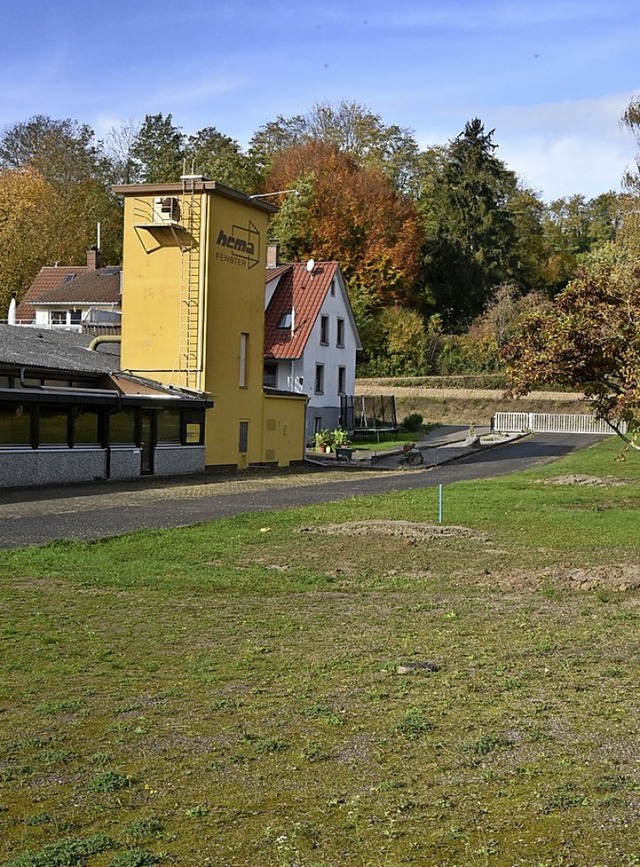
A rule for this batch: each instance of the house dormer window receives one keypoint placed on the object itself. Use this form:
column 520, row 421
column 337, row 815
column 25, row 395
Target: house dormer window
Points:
column 285, row 320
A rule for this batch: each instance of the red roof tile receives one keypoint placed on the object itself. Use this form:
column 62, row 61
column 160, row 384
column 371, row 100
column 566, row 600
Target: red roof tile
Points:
column 300, row 291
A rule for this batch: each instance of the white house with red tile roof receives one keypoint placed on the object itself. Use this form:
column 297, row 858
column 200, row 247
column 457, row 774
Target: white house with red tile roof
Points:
column 311, row 338
column 73, row 296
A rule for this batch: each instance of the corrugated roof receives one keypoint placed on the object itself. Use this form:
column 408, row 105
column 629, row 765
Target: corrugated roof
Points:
column 93, row 287
column 40, row 351
column 48, row 278
column 55, row 350
column 299, row 290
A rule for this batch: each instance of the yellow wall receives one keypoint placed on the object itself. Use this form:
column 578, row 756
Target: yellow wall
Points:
column 151, row 283
column 235, row 306
column 232, row 241
column 283, row 429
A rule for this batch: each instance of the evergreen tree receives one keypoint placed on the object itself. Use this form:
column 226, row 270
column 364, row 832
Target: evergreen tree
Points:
column 470, row 232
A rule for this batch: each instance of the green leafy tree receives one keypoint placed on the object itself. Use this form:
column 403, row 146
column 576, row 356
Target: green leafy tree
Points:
column 158, row 150
column 221, row 158
column 64, row 152
column 395, row 342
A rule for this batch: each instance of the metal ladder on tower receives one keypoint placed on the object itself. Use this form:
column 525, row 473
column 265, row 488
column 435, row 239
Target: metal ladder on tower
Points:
column 190, row 299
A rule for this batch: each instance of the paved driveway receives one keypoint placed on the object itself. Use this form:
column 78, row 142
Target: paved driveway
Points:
column 30, row 517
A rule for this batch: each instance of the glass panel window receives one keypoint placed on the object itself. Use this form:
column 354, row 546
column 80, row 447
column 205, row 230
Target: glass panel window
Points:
column 285, row 320
column 193, row 420
column 340, row 333
column 122, row 427
column 319, row 378
column 243, row 437
column 169, row 426
column 86, row 426
column 58, row 317
column 324, row 330
column 342, row 379
column 15, row 424
column 75, row 317
column 53, row 426
column 270, row 378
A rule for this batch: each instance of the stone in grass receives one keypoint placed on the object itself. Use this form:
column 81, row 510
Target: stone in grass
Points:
column 417, row 667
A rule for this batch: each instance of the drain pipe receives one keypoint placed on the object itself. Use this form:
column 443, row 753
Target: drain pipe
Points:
column 104, row 338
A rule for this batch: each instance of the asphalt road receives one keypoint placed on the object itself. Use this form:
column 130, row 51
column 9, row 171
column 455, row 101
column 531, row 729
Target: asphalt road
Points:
column 89, row 512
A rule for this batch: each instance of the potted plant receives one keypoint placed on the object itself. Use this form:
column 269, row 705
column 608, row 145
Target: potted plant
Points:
column 341, row 443
column 323, row 441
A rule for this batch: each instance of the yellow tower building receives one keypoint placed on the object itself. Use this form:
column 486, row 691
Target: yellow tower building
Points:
column 193, row 282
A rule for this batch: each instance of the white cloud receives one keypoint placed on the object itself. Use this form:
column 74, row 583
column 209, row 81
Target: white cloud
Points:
column 567, row 148
column 567, row 166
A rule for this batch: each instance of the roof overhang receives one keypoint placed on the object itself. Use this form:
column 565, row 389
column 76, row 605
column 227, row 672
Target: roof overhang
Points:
column 199, row 186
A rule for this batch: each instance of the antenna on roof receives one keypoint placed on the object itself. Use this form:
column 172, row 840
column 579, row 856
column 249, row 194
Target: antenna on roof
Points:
column 311, row 264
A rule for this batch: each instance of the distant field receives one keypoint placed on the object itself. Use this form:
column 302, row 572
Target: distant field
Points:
column 447, row 400
column 233, row 693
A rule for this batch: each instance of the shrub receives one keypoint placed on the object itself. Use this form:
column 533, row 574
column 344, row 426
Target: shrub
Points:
column 412, row 422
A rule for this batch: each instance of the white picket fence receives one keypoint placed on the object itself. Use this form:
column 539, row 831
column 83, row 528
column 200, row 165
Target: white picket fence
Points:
column 548, row 422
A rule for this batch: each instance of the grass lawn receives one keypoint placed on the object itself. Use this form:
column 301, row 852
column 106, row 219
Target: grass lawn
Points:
column 229, row 694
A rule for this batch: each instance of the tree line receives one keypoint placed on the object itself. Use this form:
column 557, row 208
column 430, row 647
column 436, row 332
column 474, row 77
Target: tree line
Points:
column 443, row 249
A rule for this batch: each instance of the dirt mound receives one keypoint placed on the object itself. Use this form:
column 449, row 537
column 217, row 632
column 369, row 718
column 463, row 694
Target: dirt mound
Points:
column 578, row 479
column 616, row 577
column 399, row 529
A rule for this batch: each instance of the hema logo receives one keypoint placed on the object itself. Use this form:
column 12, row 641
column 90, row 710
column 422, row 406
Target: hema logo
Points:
column 242, row 245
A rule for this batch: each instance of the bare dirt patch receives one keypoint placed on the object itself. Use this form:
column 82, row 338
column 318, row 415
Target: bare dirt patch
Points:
column 616, row 577
column 397, row 529
column 579, row 479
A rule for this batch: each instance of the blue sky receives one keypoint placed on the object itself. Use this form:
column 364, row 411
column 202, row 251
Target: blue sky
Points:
column 552, row 77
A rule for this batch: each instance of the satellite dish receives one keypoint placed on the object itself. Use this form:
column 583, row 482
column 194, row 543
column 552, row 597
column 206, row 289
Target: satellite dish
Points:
column 311, row 264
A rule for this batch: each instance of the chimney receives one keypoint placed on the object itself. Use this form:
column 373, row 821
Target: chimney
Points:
column 273, row 255
column 93, row 259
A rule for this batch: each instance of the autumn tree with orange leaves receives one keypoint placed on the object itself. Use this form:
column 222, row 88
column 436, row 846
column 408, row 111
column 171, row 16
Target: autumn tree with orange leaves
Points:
column 350, row 213
column 589, row 338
